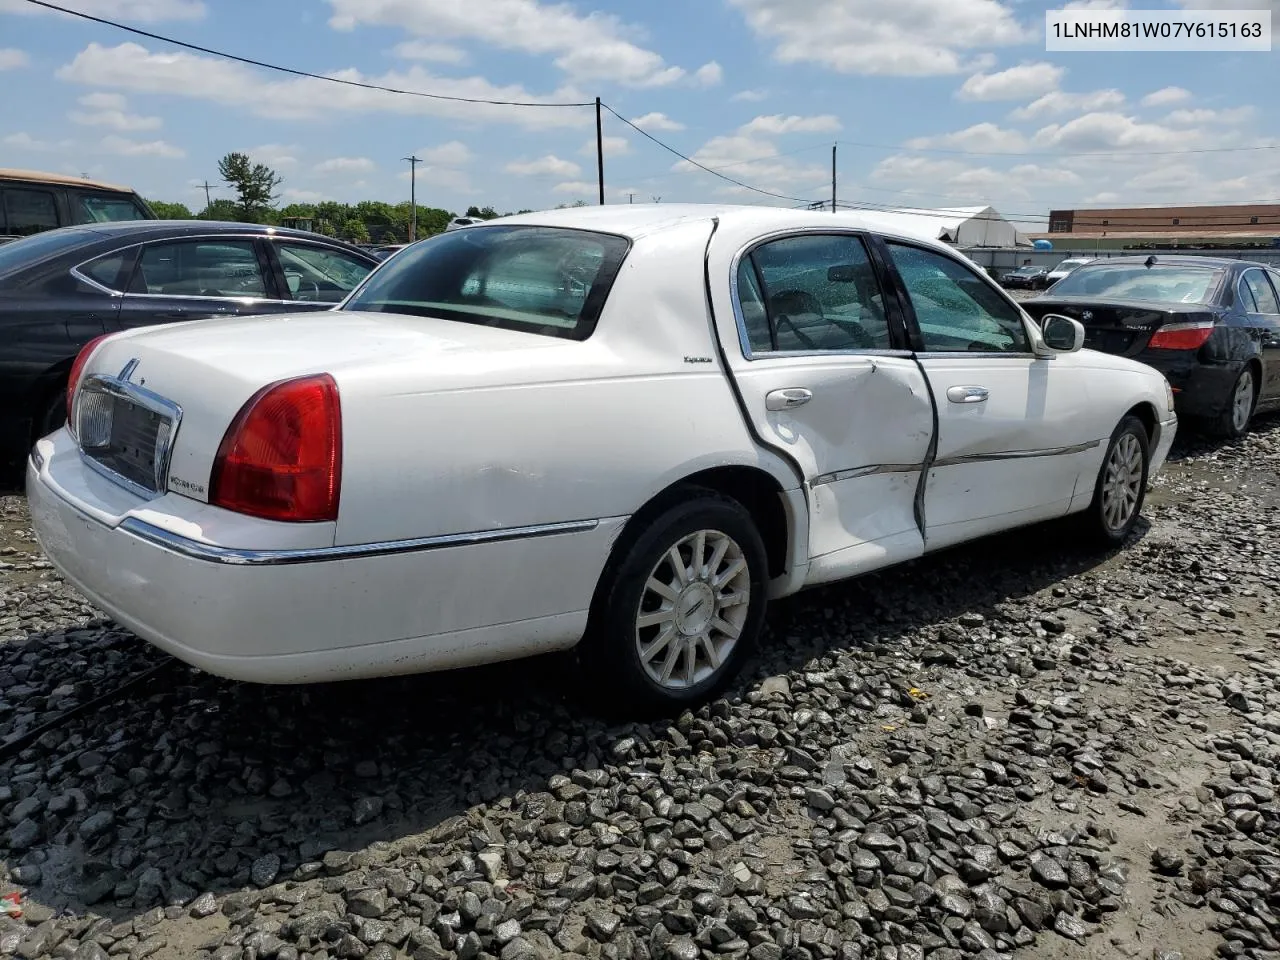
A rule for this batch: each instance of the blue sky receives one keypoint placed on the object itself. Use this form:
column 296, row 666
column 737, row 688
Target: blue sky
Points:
column 934, row 102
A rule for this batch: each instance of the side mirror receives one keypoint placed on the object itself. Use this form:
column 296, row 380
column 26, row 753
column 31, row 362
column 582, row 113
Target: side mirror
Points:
column 1061, row 334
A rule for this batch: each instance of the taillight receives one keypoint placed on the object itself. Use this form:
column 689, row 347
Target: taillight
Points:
column 281, row 458
column 73, row 381
column 1181, row 336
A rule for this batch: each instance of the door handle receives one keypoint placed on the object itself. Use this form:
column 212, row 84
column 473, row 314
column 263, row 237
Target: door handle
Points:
column 787, row 398
column 967, row 394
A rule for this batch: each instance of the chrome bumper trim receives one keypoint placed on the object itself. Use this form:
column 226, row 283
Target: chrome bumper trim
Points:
column 204, row 551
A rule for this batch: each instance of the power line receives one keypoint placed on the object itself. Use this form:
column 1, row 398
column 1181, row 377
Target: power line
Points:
column 299, row 73
column 1118, row 153
column 700, row 166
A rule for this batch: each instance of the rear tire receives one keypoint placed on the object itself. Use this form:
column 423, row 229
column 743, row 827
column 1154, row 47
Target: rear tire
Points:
column 1121, row 487
column 53, row 416
column 678, row 609
column 1233, row 422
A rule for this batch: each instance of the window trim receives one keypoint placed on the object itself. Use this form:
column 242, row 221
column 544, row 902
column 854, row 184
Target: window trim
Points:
column 1241, row 289
column 909, row 311
column 897, row 331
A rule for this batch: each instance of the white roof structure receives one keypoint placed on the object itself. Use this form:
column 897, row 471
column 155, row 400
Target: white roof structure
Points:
column 966, row 226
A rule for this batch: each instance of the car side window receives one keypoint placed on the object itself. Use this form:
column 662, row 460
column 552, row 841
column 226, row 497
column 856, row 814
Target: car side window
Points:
column 956, row 310
column 29, row 211
column 105, row 270
column 319, row 274
column 199, row 268
column 1263, row 298
column 812, row 293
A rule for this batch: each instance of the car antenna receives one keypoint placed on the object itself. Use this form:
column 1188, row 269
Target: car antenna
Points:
column 1150, row 261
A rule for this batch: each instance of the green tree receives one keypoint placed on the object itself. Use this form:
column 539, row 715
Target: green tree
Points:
column 482, row 213
column 171, row 211
column 255, row 184
column 221, row 210
column 355, row 230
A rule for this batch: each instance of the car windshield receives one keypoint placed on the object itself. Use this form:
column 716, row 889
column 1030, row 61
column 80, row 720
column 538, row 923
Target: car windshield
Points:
column 105, row 208
column 28, row 250
column 546, row 280
column 1170, row 282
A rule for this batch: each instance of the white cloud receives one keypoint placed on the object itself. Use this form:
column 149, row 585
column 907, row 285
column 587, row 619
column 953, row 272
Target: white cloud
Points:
column 749, row 96
column 1036, row 174
column 613, row 147
column 1166, row 96
column 550, row 165
column 12, row 59
column 755, row 160
column 433, row 52
column 1096, row 5
column 111, row 110
column 1023, row 82
column 980, row 138
column 125, row 147
column 592, row 47
column 130, row 66
column 345, row 165
column 293, row 195
column 25, row 141
column 578, row 186
column 918, row 38
column 776, row 125
column 1059, row 102
column 1272, row 5
column 709, row 74
column 657, row 121
column 276, row 155
column 451, row 154
column 1191, row 118
column 148, row 11
column 1108, row 131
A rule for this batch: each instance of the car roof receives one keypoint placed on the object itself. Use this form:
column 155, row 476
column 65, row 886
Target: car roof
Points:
column 144, row 228
column 643, row 219
column 40, row 176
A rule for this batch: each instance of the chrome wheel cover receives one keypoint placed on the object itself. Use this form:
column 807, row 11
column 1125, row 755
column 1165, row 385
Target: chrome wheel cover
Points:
column 1122, row 482
column 692, row 609
column 1242, row 401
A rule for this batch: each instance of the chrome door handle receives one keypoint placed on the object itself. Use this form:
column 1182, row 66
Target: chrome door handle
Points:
column 967, row 394
column 787, row 398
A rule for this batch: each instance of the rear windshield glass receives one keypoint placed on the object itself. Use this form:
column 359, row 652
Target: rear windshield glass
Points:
column 105, row 208
column 39, row 246
column 545, row 280
column 1176, row 283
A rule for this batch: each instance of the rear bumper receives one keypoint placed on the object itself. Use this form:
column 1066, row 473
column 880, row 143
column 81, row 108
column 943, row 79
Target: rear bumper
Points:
column 304, row 614
column 1201, row 389
column 1161, row 443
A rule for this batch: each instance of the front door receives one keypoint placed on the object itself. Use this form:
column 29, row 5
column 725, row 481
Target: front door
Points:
column 828, row 382
column 1012, row 440
column 1262, row 306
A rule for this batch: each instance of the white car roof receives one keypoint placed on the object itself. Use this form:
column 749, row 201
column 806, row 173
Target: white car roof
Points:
column 638, row 220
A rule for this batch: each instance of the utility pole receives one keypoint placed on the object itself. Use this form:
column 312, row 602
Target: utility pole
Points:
column 413, row 196
column 833, row 178
column 208, row 201
column 600, row 150
column 631, row 198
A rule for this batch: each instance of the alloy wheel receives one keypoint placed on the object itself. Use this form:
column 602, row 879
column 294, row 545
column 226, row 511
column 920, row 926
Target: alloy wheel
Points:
column 1122, row 484
column 1242, row 401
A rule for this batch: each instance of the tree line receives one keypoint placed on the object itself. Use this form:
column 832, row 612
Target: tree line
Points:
column 257, row 187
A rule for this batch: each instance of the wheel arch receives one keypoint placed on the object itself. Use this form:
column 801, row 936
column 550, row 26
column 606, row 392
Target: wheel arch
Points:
column 1148, row 416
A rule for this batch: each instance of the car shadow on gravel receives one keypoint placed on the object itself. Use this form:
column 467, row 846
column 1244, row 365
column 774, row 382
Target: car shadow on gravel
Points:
column 217, row 785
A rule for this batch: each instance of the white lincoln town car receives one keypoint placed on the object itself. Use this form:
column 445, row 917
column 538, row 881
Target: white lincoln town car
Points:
column 620, row 429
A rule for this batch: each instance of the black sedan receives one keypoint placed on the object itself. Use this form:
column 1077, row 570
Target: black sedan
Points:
column 1025, row 278
column 61, row 288
column 1210, row 325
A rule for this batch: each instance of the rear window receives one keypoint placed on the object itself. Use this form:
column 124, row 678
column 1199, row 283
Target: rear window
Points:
column 29, row 250
column 1172, row 283
column 106, row 208
column 545, row 280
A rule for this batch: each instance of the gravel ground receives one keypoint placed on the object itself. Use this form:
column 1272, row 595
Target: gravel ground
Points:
column 1016, row 749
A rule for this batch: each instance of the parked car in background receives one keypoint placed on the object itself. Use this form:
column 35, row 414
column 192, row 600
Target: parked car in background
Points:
column 1212, row 326
column 61, row 288
column 1063, row 268
column 457, row 223
column 622, row 429
column 32, row 202
column 1025, row 278
column 387, row 249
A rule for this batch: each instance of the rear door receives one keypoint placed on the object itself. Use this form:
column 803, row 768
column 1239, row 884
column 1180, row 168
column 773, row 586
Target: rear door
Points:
column 1014, row 433
column 198, row 277
column 823, row 371
column 1261, row 301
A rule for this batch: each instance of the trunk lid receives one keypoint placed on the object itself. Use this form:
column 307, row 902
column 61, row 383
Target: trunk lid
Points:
column 184, row 383
column 1122, row 327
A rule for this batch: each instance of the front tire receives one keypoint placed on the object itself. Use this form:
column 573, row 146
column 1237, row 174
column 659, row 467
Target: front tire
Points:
column 678, row 609
column 1233, row 422
column 1121, row 487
